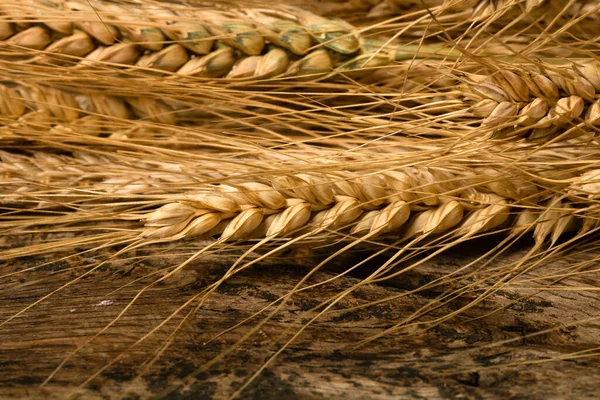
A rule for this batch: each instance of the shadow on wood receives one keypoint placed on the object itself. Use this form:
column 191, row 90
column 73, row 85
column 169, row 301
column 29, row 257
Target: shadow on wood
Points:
column 461, row 358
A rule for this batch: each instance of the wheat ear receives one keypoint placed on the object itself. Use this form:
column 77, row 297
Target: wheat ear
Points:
column 539, row 103
column 243, row 43
column 374, row 205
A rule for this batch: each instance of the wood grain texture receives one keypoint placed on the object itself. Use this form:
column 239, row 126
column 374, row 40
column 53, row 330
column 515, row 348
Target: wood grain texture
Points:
column 453, row 360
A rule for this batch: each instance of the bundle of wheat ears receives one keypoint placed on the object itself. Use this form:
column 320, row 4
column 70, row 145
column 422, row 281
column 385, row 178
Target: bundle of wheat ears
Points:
column 355, row 141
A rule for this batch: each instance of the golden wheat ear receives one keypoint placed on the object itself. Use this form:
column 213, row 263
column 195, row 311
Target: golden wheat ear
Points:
column 542, row 103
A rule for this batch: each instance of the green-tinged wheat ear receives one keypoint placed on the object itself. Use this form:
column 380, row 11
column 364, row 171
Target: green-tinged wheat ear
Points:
column 286, row 34
column 151, row 27
column 78, row 51
column 200, row 43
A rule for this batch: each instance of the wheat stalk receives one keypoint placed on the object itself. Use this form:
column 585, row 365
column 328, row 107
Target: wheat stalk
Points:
column 453, row 15
column 476, row 9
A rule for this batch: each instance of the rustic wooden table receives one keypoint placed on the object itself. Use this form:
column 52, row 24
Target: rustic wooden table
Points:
column 462, row 358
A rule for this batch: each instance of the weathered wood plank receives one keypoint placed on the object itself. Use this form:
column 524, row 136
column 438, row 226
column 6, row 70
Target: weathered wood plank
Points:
column 449, row 361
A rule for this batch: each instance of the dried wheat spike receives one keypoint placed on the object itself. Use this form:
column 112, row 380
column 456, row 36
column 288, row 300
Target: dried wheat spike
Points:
column 538, row 102
column 257, row 210
column 42, row 179
column 372, row 205
column 409, row 202
column 24, row 100
column 233, row 215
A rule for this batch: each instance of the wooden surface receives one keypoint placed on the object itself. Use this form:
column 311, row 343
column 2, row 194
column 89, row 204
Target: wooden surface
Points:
column 462, row 358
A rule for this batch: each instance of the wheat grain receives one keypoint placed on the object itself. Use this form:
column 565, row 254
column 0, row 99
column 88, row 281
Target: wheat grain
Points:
column 587, row 184
column 555, row 220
